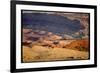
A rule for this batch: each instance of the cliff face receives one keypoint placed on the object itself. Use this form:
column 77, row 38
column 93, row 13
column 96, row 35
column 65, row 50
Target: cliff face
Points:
column 48, row 39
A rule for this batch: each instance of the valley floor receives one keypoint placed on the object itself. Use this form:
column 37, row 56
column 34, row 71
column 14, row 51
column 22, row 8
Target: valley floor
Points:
column 40, row 53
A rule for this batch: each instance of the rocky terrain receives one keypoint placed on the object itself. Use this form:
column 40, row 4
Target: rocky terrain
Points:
column 46, row 46
column 46, row 39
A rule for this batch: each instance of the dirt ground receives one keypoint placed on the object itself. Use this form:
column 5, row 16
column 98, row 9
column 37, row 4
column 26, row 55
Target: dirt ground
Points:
column 40, row 53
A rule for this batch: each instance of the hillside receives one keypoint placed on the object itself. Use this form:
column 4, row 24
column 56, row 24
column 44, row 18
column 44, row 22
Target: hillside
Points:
column 81, row 45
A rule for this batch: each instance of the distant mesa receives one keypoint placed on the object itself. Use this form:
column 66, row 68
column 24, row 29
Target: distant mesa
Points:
column 42, row 32
column 53, row 40
column 27, row 30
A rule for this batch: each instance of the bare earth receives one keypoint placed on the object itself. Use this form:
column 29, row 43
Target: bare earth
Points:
column 40, row 53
